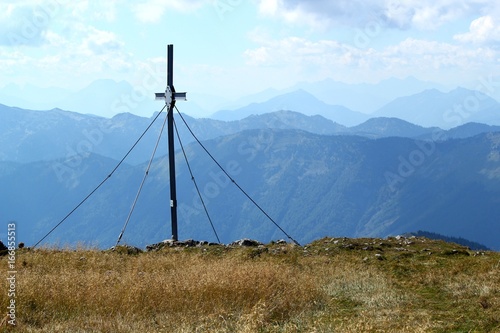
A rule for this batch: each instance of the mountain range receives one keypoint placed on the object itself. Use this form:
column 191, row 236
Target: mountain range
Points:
column 299, row 101
column 315, row 177
column 424, row 159
column 428, row 108
column 362, row 97
column 445, row 110
column 108, row 98
column 27, row 135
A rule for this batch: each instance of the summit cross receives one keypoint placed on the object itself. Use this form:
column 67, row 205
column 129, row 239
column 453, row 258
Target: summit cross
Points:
column 170, row 96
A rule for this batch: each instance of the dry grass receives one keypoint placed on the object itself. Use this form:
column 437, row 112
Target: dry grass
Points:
column 331, row 286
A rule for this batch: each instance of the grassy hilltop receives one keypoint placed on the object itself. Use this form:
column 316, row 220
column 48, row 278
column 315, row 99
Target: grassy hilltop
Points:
column 331, row 285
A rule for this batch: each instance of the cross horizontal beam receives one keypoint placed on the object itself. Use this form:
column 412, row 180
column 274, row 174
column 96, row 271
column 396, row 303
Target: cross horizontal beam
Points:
column 177, row 96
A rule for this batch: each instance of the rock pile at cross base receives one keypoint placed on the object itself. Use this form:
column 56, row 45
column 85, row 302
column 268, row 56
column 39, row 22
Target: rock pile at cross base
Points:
column 193, row 243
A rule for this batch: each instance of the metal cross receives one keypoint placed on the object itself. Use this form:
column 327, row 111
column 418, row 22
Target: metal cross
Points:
column 170, row 97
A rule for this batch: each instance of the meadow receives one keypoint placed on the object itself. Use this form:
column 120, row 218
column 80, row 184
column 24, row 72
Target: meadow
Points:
column 331, row 285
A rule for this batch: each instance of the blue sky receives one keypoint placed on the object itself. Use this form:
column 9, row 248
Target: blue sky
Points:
column 238, row 47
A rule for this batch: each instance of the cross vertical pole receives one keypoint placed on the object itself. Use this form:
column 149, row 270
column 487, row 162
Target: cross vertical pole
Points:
column 170, row 96
column 171, row 148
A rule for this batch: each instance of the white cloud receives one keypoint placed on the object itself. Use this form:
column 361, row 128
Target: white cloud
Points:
column 22, row 24
column 269, row 7
column 83, row 52
column 427, row 14
column 61, row 41
column 91, row 50
column 431, row 55
column 485, row 29
column 30, row 22
column 421, row 14
column 318, row 14
column 54, row 39
column 105, row 10
column 100, row 42
column 10, row 59
column 302, row 53
column 258, row 56
column 151, row 11
column 408, row 57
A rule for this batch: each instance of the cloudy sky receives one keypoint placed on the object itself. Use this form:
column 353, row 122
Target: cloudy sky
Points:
column 239, row 47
